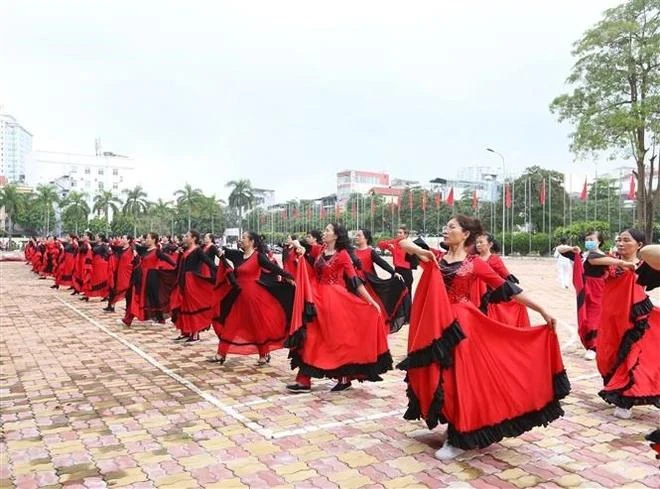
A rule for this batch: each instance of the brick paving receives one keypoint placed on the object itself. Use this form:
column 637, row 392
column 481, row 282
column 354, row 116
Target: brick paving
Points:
column 87, row 403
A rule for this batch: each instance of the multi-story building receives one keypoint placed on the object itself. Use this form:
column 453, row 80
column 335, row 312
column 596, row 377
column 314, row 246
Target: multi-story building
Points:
column 84, row 173
column 15, row 149
column 357, row 181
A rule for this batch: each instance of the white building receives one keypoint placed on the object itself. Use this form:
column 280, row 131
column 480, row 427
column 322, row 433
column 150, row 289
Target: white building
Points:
column 15, row 149
column 477, row 173
column 84, row 173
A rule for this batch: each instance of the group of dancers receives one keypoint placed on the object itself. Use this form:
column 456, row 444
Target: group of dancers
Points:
column 474, row 361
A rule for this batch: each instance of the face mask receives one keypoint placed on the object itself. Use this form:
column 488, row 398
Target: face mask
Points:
column 591, row 245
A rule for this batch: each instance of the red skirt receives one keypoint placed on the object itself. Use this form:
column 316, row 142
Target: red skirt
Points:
column 192, row 306
column 628, row 354
column 255, row 322
column 486, row 379
column 347, row 337
column 593, row 306
column 511, row 313
column 65, row 270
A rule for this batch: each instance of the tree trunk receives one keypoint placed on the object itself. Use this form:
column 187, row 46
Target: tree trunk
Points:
column 189, row 211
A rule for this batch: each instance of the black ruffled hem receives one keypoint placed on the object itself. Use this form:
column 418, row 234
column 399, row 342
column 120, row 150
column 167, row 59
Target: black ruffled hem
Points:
column 509, row 428
column 297, row 339
column 642, row 308
column 504, row 292
column 626, row 402
column 434, row 416
column 440, row 350
column 365, row 371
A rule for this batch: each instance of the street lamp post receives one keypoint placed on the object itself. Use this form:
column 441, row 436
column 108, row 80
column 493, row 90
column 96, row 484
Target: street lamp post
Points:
column 503, row 192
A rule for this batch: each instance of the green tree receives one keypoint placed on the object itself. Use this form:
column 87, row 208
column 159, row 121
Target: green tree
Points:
column 211, row 209
column 76, row 211
column 136, row 204
column 187, row 198
column 241, row 197
column 46, row 198
column 615, row 102
column 104, row 201
column 11, row 200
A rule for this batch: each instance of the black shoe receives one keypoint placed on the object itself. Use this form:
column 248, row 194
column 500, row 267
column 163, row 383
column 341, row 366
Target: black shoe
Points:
column 75, row 292
column 298, row 388
column 105, row 299
column 55, row 286
column 340, row 387
column 85, row 299
column 109, row 309
column 181, row 337
column 216, row 359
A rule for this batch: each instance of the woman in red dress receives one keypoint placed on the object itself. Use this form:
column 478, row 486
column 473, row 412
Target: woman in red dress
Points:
column 255, row 319
column 391, row 294
column 192, row 297
column 83, row 267
column 485, row 379
column 289, row 255
column 507, row 312
column 628, row 354
column 346, row 337
column 589, row 281
column 152, row 285
column 67, row 263
column 121, row 269
column 98, row 285
column 402, row 262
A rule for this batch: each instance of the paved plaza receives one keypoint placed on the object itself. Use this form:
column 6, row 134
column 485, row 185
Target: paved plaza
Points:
column 88, row 403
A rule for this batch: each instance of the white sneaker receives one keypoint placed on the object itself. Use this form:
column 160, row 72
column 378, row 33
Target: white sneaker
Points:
column 589, row 355
column 447, row 452
column 622, row 413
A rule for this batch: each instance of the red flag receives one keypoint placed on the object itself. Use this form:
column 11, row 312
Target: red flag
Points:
column 507, row 197
column 475, row 199
column 542, row 193
column 450, row 197
column 424, row 197
column 583, row 195
column 438, row 198
column 410, row 199
column 632, row 192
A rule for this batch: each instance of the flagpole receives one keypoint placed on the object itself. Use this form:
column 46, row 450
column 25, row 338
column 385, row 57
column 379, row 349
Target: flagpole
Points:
column 513, row 208
column 529, row 187
column 620, row 200
column 550, row 215
column 570, row 199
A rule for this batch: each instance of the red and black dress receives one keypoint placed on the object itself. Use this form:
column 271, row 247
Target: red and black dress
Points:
column 335, row 333
column 391, row 294
column 82, row 272
column 485, row 379
column 589, row 283
column 193, row 300
column 98, row 285
column 29, row 251
column 49, row 259
column 152, row 286
column 121, row 269
column 628, row 354
column 508, row 312
column 66, row 266
column 254, row 316
column 37, row 257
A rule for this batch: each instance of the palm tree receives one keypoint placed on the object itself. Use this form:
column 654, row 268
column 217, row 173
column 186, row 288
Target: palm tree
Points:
column 46, row 197
column 10, row 200
column 210, row 206
column 136, row 203
column 162, row 210
column 241, row 197
column 104, row 201
column 187, row 197
column 76, row 206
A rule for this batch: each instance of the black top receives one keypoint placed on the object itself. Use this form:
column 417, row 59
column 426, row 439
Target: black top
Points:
column 596, row 271
column 378, row 260
column 236, row 257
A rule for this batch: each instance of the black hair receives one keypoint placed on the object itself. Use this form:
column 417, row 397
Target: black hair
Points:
column 491, row 239
column 636, row 234
column 211, row 236
column 90, row 235
column 195, row 235
column 405, row 229
column 472, row 225
column 563, row 240
column 316, row 234
column 367, row 236
column 101, row 237
column 153, row 236
column 257, row 241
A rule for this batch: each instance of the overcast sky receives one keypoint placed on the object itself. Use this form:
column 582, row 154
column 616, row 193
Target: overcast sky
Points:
column 287, row 93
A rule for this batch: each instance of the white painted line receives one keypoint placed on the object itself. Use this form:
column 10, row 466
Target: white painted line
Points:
column 335, row 424
column 585, row 377
column 229, row 410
